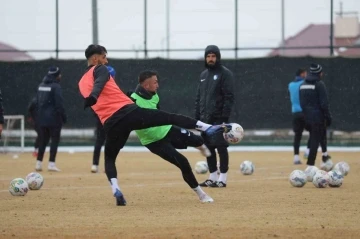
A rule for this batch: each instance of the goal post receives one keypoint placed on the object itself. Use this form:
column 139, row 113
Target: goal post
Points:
column 9, row 131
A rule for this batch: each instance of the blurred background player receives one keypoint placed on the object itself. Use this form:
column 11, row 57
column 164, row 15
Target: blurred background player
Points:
column 164, row 140
column 120, row 115
column 315, row 105
column 213, row 105
column 99, row 134
column 1, row 114
column 32, row 108
column 50, row 116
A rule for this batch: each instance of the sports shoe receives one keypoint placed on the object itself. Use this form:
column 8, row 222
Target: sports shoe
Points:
column 204, row 150
column 204, row 198
column 306, row 155
column 38, row 166
column 326, row 158
column 297, row 159
column 206, row 183
column 296, row 162
column 53, row 168
column 94, row 169
column 218, row 184
column 120, row 199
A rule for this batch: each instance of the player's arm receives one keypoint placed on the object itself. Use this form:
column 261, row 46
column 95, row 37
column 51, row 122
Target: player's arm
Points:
column 227, row 89
column 324, row 102
column 59, row 106
column 101, row 77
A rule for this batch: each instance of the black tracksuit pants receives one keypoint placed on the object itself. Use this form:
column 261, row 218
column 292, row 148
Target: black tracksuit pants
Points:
column 99, row 142
column 45, row 134
column 317, row 134
column 177, row 138
column 140, row 118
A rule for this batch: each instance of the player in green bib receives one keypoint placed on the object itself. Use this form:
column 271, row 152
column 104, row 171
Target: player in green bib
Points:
column 164, row 140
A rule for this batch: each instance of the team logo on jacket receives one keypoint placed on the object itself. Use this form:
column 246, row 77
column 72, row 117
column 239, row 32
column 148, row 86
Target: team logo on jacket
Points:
column 215, row 77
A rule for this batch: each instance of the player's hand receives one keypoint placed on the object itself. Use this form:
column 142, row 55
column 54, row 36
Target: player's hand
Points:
column 89, row 101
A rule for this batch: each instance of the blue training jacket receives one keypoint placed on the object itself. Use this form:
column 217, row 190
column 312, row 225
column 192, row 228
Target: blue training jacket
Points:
column 294, row 89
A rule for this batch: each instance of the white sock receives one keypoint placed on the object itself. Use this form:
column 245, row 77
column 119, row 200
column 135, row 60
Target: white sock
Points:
column 202, row 126
column 198, row 191
column 325, row 154
column 296, row 158
column 307, row 151
column 114, row 184
column 51, row 164
column 213, row 176
column 223, row 177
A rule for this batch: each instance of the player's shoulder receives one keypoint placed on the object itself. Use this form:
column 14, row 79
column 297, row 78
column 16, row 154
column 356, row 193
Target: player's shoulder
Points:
column 204, row 72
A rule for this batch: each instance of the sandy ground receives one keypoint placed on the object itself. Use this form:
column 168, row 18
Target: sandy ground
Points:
column 77, row 204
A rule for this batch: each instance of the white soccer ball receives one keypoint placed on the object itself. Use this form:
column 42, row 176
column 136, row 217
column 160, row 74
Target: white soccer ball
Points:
column 297, row 178
column 247, row 167
column 335, row 179
column 235, row 135
column 310, row 172
column 201, row 167
column 327, row 166
column 34, row 180
column 343, row 168
column 18, row 187
column 321, row 179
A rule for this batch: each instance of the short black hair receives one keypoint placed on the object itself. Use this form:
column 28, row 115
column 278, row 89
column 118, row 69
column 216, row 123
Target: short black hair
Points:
column 146, row 75
column 300, row 71
column 94, row 49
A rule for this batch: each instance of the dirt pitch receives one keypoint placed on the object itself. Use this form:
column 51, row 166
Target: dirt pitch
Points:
column 77, row 204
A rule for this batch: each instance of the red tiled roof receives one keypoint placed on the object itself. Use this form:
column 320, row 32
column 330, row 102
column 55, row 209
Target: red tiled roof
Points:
column 13, row 54
column 315, row 35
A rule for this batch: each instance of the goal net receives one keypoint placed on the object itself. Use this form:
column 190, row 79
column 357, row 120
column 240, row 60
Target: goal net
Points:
column 13, row 135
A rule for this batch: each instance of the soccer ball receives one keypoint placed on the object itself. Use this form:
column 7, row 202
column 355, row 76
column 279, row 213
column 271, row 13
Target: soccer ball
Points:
column 247, row 167
column 235, row 135
column 18, row 187
column 297, row 178
column 343, row 168
column 201, row 167
column 327, row 166
column 335, row 179
column 35, row 181
column 321, row 179
column 310, row 172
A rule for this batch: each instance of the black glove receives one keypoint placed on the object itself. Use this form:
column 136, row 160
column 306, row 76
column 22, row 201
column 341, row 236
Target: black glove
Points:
column 89, row 101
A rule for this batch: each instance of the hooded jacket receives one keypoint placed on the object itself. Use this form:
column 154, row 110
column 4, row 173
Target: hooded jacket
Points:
column 49, row 103
column 314, row 101
column 215, row 94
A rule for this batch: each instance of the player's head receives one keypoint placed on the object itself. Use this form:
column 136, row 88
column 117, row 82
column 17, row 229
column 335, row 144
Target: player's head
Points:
column 149, row 81
column 111, row 71
column 316, row 69
column 55, row 72
column 212, row 56
column 301, row 72
column 96, row 55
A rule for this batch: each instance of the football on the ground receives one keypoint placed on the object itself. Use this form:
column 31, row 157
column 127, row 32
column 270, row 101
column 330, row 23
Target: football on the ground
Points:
column 310, row 172
column 235, row 135
column 321, row 179
column 297, row 178
column 34, row 180
column 201, row 167
column 247, row 167
column 335, row 179
column 343, row 168
column 18, row 187
column 327, row 166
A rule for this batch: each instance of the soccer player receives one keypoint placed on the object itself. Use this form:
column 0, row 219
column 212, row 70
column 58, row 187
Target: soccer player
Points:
column 213, row 105
column 50, row 116
column 164, row 140
column 99, row 134
column 315, row 105
column 120, row 115
column 1, row 114
column 32, row 119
